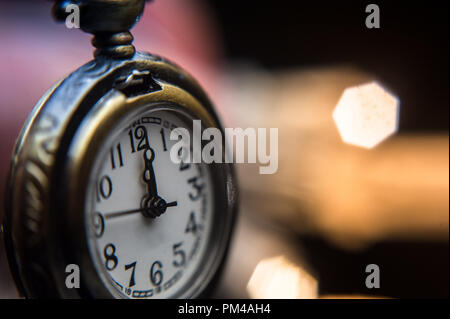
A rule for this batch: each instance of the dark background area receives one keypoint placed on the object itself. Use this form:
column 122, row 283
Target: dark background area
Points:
column 409, row 54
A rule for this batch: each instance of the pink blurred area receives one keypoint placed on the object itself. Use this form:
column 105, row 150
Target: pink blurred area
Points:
column 35, row 52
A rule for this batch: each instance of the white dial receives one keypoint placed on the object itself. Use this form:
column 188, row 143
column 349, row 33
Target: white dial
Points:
column 148, row 219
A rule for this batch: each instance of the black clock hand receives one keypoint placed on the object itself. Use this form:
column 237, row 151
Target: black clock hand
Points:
column 152, row 205
column 149, row 173
column 133, row 211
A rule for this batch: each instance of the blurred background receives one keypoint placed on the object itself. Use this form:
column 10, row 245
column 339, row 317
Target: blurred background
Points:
column 328, row 83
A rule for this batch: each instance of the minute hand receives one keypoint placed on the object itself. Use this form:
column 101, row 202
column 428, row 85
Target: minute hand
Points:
column 153, row 205
column 149, row 173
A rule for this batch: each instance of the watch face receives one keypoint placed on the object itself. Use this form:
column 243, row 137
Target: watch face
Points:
column 148, row 219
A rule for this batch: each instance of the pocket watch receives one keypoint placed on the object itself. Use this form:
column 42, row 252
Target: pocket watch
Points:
column 92, row 183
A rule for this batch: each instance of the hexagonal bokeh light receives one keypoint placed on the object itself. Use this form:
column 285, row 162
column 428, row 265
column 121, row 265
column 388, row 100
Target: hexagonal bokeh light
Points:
column 366, row 115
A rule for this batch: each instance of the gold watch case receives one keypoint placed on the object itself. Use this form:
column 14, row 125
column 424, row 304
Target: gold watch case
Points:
column 44, row 221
